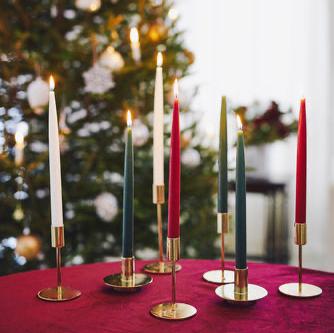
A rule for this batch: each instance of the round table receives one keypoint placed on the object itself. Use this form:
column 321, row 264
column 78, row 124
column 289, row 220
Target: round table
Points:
column 99, row 309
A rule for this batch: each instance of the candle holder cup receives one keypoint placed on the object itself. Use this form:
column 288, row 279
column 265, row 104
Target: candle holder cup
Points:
column 241, row 292
column 221, row 276
column 161, row 266
column 127, row 281
column 173, row 310
column 58, row 293
column 300, row 289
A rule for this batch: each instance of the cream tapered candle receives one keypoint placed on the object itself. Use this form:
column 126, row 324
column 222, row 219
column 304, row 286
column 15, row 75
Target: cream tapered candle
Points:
column 135, row 44
column 54, row 160
column 19, row 147
column 158, row 126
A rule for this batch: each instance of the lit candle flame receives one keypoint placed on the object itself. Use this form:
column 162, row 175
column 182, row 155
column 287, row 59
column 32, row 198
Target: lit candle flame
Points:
column 19, row 138
column 159, row 59
column 134, row 36
column 176, row 88
column 129, row 119
column 51, row 83
column 239, row 122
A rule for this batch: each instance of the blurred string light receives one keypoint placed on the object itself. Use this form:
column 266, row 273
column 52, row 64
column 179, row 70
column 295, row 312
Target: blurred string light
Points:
column 173, row 14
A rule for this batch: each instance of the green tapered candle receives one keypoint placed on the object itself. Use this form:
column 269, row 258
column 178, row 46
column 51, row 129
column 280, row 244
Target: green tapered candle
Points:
column 240, row 203
column 127, row 238
column 222, row 160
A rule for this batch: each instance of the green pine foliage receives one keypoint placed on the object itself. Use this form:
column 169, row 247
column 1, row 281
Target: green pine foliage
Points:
column 34, row 41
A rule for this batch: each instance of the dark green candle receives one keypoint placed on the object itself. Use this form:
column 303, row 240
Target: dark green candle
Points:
column 222, row 160
column 240, row 205
column 127, row 240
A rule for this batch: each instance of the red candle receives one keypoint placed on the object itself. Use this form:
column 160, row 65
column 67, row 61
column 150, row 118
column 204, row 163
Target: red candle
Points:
column 174, row 173
column 300, row 213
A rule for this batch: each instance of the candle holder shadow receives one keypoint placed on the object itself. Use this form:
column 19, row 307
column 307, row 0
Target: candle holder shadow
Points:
column 241, row 293
column 300, row 289
column 58, row 293
column 161, row 266
column 173, row 310
column 127, row 281
column 221, row 276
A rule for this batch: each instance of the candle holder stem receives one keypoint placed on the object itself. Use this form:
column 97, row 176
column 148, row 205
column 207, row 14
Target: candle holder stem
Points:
column 300, row 289
column 58, row 293
column 300, row 267
column 173, row 310
column 173, row 283
column 58, row 263
column 221, row 276
column 159, row 219
column 161, row 266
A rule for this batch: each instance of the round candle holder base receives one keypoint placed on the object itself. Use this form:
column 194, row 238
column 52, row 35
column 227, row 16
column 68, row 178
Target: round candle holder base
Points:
column 253, row 294
column 131, row 284
column 173, row 311
column 161, row 267
column 302, row 290
column 58, row 294
column 219, row 276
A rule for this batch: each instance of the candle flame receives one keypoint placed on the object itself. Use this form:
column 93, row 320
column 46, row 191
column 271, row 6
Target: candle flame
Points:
column 51, row 83
column 239, row 122
column 134, row 36
column 129, row 119
column 19, row 138
column 159, row 59
column 176, row 88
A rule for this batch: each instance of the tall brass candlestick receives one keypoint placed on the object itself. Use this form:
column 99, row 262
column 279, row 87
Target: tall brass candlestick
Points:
column 58, row 293
column 161, row 266
column 300, row 289
column 221, row 276
column 173, row 310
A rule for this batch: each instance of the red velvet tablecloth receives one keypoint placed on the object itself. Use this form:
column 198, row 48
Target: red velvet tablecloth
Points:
column 100, row 310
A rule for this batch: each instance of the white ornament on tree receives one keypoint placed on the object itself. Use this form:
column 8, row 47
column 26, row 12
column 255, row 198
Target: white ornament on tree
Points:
column 98, row 79
column 140, row 133
column 90, row 5
column 111, row 59
column 38, row 94
column 106, row 206
column 191, row 158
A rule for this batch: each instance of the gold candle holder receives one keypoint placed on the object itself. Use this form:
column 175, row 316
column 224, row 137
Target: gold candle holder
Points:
column 173, row 310
column 241, row 292
column 300, row 289
column 221, row 276
column 127, row 281
column 59, row 293
column 161, row 266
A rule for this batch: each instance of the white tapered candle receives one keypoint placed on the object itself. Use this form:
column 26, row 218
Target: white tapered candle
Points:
column 158, row 126
column 54, row 160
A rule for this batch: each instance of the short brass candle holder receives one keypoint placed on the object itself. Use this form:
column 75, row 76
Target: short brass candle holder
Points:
column 127, row 281
column 241, row 292
column 300, row 289
column 58, row 293
column 173, row 310
column 221, row 276
column 161, row 266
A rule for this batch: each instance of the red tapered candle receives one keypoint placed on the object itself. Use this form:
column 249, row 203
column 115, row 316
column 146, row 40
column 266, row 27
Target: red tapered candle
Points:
column 300, row 214
column 174, row 172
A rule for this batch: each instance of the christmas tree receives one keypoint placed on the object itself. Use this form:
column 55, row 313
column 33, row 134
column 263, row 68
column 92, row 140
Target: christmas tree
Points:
column 99, row 74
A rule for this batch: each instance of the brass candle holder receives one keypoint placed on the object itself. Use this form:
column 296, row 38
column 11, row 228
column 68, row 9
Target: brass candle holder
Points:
column 221, row 276
column 127, row 280
column 300, row 289
column 58, row 293
column 241, row 292
column 161, row 266
column 173, row 310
